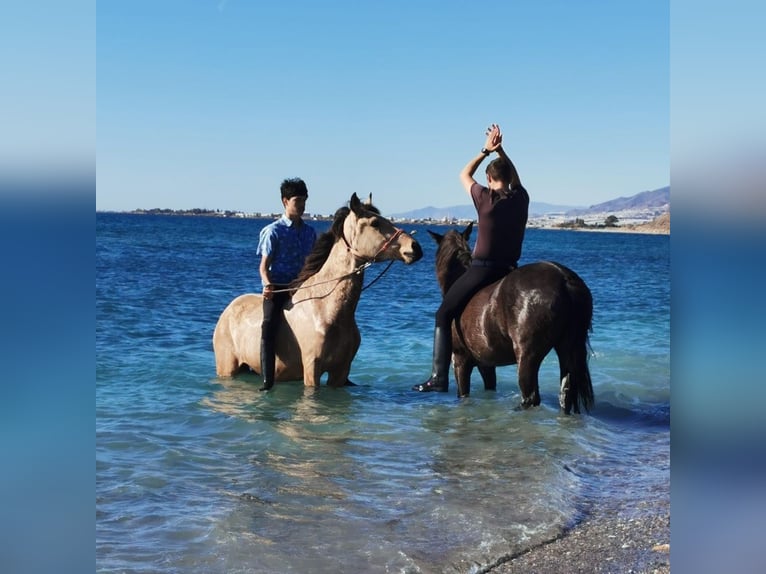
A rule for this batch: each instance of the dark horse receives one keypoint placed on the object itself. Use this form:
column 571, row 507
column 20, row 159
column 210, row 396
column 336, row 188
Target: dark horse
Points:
column 518, row 320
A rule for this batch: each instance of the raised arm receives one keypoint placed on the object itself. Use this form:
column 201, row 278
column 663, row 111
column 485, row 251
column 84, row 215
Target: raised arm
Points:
column 515, row 180
column 466, row 174
column 492, row 143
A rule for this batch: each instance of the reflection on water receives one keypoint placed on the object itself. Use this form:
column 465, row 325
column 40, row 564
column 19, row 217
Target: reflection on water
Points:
column 338, row 476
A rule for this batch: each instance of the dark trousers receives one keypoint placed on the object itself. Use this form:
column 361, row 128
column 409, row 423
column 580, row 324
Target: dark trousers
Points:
column 466, row 286
column 455, row 300
column 272, row 317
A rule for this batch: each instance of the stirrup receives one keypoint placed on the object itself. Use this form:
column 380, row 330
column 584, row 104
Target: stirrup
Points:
column 431, row 385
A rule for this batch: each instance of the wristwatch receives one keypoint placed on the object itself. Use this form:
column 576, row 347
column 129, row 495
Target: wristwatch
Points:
column 485, row 151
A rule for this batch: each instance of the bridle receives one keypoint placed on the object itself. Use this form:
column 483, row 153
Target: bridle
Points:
column 369, row 261
column 385, row 245
column 366, row 262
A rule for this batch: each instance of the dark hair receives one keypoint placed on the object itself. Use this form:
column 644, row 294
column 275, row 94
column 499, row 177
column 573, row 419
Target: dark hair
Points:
column 499, row 170
column 293, row 188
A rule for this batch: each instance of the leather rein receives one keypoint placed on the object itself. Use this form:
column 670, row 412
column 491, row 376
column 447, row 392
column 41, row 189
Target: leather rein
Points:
column 367, row 262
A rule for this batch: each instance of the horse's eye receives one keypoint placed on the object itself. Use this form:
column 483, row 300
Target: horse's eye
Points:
column 375, row 223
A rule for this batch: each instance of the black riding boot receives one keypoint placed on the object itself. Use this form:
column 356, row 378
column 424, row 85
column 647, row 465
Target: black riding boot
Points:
column 439, row 380
column 268, row 360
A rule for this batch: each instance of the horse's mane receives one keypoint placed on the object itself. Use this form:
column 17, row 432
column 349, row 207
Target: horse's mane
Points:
column 452, row 258
column 321, row 251
column 454, row 246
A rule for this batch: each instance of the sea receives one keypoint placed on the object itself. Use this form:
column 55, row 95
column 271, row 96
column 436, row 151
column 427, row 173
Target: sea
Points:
column 200, row 474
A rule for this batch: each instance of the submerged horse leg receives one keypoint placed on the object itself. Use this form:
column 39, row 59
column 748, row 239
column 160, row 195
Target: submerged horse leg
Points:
column 226, row 364
column 565, row 399
column 489, row 376
column 339, row 378
column 463, row 369
column 311, row 371
column 528, row 383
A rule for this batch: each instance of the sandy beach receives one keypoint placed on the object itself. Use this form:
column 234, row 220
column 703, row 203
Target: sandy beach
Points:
column 623, row 541
column 627, row 535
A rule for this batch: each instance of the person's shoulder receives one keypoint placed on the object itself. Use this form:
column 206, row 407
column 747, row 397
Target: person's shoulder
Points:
column 521, row 191
column 477, row 189
column 272, row 227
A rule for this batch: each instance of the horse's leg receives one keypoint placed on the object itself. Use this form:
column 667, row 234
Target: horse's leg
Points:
column 463, row 369
column 528, row 383
column 576, row 386
column 565, row 399
column 489, row 376
column 339, row 377
column 226, row 364
column 311, row 371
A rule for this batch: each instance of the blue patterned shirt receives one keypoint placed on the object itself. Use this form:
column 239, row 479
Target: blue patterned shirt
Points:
column 288, row 245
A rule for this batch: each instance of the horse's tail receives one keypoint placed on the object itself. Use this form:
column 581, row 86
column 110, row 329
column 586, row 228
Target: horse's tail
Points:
column 576, row 385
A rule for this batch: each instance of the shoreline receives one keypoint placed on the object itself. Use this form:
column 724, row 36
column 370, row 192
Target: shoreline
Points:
column 602, row 543
column 629, row 534
column 649, row 227
column 637, row 229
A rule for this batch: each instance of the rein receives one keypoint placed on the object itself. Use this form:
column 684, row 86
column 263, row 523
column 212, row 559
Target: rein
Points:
column 386, row 244
column 357, row 270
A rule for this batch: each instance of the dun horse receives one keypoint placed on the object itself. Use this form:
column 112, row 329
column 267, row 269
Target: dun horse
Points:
column 318, row 332
column 518, row 320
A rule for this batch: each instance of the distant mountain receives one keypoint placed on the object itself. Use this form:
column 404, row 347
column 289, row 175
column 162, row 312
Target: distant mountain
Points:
column 655, row 201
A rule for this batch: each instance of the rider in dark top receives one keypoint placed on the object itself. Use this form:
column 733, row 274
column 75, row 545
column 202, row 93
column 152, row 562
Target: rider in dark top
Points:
column 502, row 207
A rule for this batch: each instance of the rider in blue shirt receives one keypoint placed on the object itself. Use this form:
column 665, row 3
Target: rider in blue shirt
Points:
column 283, row 246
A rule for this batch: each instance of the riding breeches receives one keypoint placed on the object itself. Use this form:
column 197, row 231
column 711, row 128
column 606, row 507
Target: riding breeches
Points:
column 272, row 315
column 457, row 296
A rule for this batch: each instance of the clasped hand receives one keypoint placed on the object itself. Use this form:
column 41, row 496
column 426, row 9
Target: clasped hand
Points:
column 494, row 137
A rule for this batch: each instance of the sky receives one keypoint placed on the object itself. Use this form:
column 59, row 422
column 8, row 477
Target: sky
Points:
column 211, row 104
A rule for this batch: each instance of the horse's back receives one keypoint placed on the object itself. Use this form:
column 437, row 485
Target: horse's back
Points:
column 565, row 281
column 541, row 274
column 545, row 280
column 532, row 301
column 247, row 308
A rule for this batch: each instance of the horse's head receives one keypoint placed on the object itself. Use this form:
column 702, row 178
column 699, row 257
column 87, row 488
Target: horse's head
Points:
column 453, row 255
column 372, row 237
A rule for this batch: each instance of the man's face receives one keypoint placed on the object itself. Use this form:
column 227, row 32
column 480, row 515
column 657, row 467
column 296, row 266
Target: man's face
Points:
column 294, row 206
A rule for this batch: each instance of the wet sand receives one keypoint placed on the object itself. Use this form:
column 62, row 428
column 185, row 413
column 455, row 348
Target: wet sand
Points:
column 628, row 538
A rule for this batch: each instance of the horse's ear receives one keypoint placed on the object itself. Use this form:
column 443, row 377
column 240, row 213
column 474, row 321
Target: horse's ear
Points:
column 467, row 231
column 436, row 236
column 354, row 203
column 369, row 200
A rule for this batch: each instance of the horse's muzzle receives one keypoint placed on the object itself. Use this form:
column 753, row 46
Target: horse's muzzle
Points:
column 414, row 253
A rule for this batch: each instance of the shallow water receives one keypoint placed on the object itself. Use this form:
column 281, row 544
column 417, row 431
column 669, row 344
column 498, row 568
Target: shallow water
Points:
column 200, row 474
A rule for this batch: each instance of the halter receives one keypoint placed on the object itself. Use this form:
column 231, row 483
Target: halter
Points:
column 385, row 245
column 368, row 261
